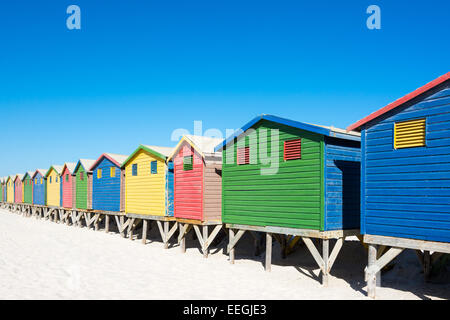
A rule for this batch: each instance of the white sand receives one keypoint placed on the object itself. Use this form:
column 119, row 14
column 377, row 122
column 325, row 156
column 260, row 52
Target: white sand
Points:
column 44, row 260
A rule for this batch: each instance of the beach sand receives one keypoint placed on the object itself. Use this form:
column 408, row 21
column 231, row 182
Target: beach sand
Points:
column 44, row 260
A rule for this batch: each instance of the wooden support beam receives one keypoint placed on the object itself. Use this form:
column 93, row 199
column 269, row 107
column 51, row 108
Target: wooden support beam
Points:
column 315, row 253
column 199, row 234
column 371, row 277
column 144, row 232
column 426, row 265
column 122, row 226
column 268, row 264
column 181, row 238
column 256, row 243
column 205, row 239
column 130, row 228
column 384, row 259
column 325, row 253
column 209, row 239
column 107, row 223
column 171, row 231
column 166, row 234
column 230, row 248
column 335, row 252
column 97, row 219
column 232, row 242
column 161, row 231
column 373, row 271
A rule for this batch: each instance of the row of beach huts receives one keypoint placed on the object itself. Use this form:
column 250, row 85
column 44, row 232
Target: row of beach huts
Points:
column 386, row 180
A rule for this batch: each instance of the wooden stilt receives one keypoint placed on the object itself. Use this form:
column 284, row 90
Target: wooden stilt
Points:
column 166, row 234
column 107, row 223
column 268, row 265
column 230, row 240
column 371, row 277
column 182, row 238
column 205, row 239
column 96, row 221
column 122, row 222
column 144, row 231
column 426, row 264
column 325, row 252
column 131, row 227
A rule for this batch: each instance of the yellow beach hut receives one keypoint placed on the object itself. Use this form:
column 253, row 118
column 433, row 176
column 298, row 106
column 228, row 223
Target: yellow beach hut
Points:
column 53, row 181
column 10, row 189
column 149, row 181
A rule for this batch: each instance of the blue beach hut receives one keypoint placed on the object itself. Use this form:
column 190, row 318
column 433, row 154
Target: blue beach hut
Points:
column 405, row 176
column 108, row 183
column 39, row 184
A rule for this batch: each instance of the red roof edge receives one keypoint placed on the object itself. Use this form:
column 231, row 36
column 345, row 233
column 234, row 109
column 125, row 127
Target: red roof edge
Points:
column 400, row 101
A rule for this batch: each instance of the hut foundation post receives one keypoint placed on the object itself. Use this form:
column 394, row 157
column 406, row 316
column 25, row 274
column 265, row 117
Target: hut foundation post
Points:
column 205, row 239
column 325, row 252
column 121, row 228
column 79, row 219
column 68, row 212
column 426, row 264
column 268, row 265
column 144, row 231
column 166, row 234
column 97, row 221
column 182, row 238
column 131, row 228
column 230, row 240
column 184, row 230
column 372, row 277
column 107, row 223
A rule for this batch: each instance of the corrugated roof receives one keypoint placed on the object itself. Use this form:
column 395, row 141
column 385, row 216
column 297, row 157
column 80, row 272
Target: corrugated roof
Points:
column 397, row 103
column 319, row 129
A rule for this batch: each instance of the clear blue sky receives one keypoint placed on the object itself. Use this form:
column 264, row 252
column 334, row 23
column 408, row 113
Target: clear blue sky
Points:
column 137, row 70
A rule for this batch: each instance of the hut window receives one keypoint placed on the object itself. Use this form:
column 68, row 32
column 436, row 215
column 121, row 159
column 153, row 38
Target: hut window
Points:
column 292, row 149
column 154, row 167
column 409, row 134
column 50, row 179
column 134, row 169
column 243, row 155
column 67, row 177
column 188, row 163
column 113, row 172
column 81, row 176
column 42, row 180
column 56, row 179
column 99, row 173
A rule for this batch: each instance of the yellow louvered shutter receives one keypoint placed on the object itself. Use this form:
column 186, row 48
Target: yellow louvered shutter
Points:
column 409, row 134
